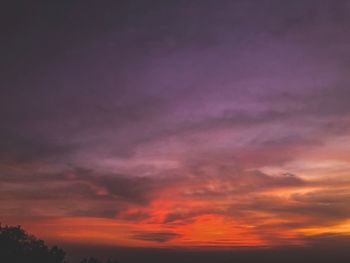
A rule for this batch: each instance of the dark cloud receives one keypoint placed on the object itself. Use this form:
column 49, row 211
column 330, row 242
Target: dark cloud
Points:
column 134, row 216
column 320, row 207
column 233, row 182
column 83, row 183
column 21, row 148
column 155, row 236
column 108, row 195
column 95, row 194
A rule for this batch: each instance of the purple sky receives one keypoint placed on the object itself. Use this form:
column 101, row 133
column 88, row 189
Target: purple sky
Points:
column 162, row 118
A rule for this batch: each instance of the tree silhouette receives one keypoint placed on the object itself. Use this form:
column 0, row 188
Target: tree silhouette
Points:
column 17, row 246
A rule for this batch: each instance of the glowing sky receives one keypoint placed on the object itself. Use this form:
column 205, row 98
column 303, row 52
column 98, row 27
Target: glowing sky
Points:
column 183, row 124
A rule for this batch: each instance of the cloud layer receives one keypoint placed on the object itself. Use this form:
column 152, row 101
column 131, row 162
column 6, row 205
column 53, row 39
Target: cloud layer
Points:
column 189, row 124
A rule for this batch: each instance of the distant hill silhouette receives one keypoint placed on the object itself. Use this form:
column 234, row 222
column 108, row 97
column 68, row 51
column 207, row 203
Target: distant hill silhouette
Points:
column 17, row 246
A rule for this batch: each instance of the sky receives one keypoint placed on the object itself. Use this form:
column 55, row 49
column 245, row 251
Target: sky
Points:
column 191, row 124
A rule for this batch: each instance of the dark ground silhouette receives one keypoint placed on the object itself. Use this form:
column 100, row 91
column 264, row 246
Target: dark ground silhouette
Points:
column 17, row 246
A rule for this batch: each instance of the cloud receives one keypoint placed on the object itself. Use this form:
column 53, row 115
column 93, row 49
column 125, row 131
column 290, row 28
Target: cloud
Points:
column 155, row 236
column 181, row 114
column 18, row 148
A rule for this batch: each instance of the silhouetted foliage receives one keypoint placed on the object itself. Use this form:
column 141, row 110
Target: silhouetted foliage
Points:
column 16, row 246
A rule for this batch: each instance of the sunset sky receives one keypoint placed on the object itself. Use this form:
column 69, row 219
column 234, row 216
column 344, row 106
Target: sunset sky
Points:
column 187, row 124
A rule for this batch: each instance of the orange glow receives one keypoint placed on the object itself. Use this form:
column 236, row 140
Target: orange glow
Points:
column 210, row 212
column 340, row 229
